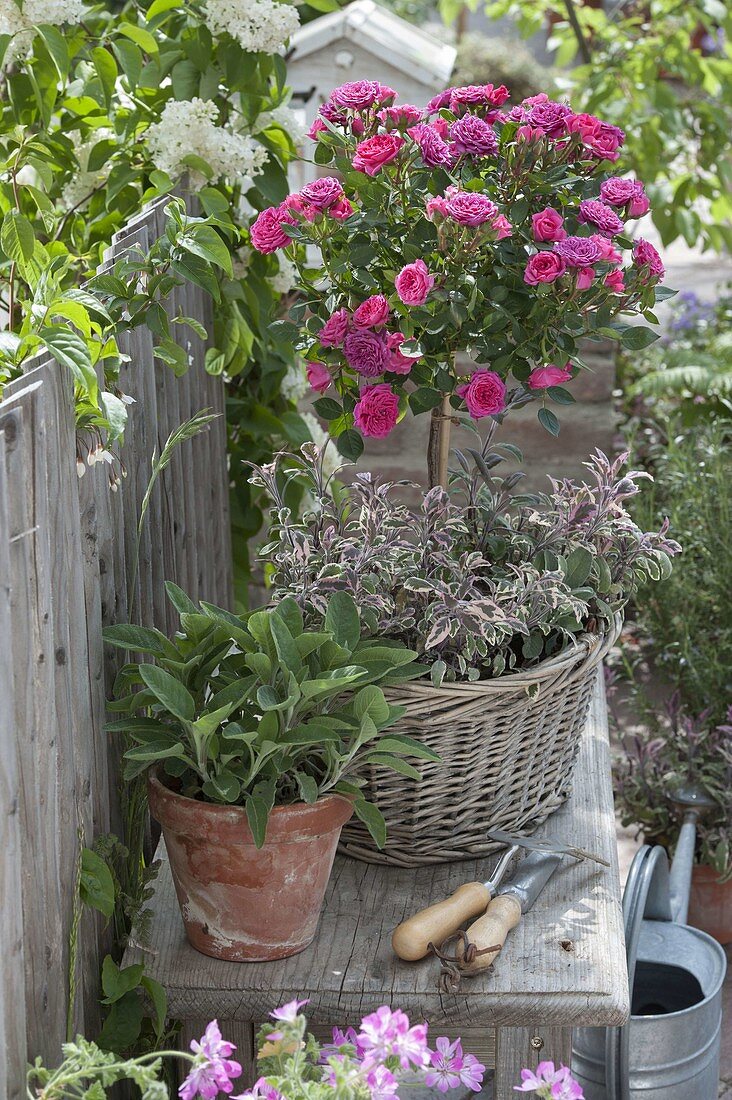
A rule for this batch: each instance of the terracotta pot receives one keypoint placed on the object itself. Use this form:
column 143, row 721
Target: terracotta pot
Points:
column 239, row 902
column 710, row 904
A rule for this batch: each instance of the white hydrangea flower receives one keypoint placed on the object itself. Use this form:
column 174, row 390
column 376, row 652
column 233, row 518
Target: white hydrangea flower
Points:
column 286, row 278
column 19, row 24
column 83, row 183
column 294, row 385
column 259, row 26
column 190, row 126
column 289, row 120
column 331, row 459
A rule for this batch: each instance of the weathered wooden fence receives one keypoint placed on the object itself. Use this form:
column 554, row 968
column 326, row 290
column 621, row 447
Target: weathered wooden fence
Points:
column 67, row 548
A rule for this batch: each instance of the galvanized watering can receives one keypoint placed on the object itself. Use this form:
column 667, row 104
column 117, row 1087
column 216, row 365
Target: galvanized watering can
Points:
column 669, row 1049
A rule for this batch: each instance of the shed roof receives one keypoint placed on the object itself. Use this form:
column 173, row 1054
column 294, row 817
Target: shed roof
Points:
column 381, row 32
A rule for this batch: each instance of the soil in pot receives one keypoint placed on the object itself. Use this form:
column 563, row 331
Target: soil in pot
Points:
column 242, row 903
column 710, row 904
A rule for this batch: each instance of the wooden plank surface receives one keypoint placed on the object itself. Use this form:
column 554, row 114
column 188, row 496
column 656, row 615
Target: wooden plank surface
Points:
column 563, row 966
column 13, row 1056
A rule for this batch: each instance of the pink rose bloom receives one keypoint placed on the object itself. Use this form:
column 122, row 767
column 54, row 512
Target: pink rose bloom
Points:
column 585, row 276
column 436, row 205
column 502, row 227
column 470, row 208
column 373, row 153
column 543, row 377
column 608, row 252
column 598, row 213
column 341, row 210
column 322, row 193
column 413, row 283
column 335, row 329
column 377, row 411
column 544, row 267
column 266, row 231
column 473, row 136
column 646, row 256
column 296, row 204
column 441, row 125
column 631, row 193
column 615, row 282
column 548, row 225
column 398, row 363
column 318, row 376
column 484, row 394
column 530, row 133
column 357, row 95
column 434, row 151
column 550, row 116
column 579, row 251
column 477, row 94
column 374, row 311
column 318, row 127
column 602, row 138
column 366, row 352
column 639, row 203
column 403, row 114
column 442, row 99
column 387, row 95
column 587, row 126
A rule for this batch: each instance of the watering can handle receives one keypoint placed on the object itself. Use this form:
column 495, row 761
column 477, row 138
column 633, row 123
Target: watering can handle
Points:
column 681, row 866
column 646, row 896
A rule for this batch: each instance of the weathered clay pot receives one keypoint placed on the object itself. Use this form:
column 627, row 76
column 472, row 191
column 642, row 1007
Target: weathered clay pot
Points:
column 239, row 902
column 710, row 904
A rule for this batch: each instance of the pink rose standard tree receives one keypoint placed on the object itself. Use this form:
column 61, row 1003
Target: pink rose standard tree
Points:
column 466, row 227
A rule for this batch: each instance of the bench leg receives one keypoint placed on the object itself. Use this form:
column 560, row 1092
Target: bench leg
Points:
column 241, row 1034
column 520, row 1047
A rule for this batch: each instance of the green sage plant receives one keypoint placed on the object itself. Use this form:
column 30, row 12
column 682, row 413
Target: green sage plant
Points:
column 480, row 580
column 673, row 751
column 261, row 710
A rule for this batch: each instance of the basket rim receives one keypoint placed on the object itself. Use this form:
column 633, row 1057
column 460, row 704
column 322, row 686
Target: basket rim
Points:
column 588, row 647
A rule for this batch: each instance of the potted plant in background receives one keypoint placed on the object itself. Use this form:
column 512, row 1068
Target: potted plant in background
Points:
column 254, row 727
column 460, row 228
column 511, row 600
column 684, row 750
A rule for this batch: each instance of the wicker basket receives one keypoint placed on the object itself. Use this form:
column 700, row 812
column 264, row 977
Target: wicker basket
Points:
column 507, row 747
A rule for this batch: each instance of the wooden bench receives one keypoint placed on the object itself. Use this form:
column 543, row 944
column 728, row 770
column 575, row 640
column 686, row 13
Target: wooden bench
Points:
column 564, row 966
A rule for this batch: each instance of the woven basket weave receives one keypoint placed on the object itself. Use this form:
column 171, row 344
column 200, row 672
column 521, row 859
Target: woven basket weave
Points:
column 507, row 746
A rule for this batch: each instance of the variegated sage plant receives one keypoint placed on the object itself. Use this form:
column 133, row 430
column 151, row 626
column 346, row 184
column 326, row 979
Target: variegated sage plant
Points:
column 480, row 580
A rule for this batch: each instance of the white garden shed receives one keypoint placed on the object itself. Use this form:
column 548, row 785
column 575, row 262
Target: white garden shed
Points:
column 363, row 42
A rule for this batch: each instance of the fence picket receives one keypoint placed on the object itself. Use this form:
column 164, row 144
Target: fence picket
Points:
column 67, row 553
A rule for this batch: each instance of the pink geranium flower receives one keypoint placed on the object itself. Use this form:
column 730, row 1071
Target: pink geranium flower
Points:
column 289, row 1012
column 213, row 1068
column 559, row 1082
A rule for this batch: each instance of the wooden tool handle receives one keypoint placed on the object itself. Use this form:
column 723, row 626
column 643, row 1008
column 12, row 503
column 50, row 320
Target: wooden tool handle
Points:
column 490, row 930
column 412, row 938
